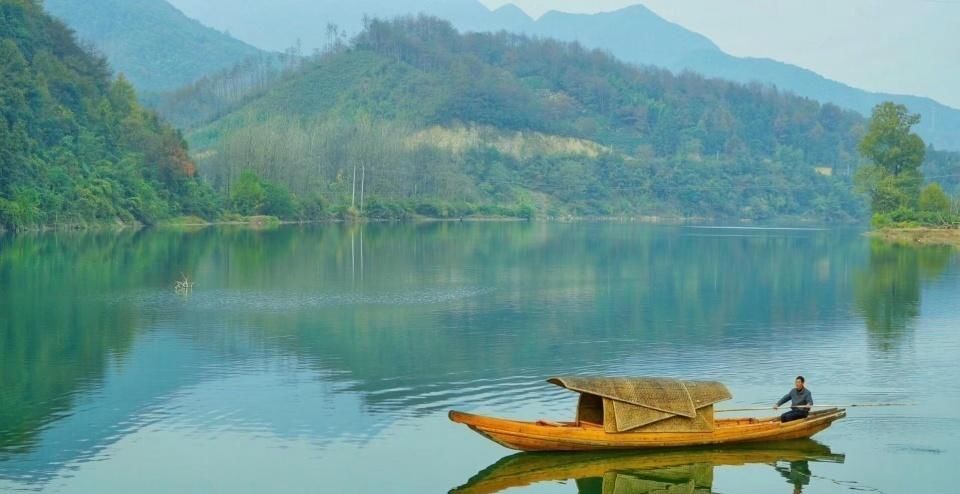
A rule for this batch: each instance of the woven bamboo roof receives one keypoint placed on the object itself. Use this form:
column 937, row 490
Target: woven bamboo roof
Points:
column 667, row 395
column 630, row 403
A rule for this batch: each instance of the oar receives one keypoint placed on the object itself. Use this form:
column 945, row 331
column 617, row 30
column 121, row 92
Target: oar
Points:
column 855, row 405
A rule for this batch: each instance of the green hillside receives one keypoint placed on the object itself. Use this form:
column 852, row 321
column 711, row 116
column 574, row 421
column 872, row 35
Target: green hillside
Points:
column 634, row 34
column 503, row 119
column 638, row 35
column 75, row 146
column 149, row 41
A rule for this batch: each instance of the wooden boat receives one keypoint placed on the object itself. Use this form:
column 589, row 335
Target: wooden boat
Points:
column 651, row 468
column 643, row 413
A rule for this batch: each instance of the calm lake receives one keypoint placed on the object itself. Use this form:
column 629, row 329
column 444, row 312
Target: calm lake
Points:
column 325, row 358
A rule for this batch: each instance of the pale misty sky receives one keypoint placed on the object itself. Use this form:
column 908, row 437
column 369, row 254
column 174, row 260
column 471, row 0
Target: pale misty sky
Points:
column 897, row 46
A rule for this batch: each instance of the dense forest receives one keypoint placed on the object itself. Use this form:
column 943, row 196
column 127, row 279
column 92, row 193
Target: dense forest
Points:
column 75, row 145
column 410, row 112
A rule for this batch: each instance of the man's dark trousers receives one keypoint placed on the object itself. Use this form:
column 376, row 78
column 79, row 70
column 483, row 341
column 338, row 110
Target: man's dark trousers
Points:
column 794, row 415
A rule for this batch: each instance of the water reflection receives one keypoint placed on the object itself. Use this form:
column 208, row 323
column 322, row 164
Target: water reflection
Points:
column 540, row 298
column 71, row 372
column 51, row 345
column 889, row 287
column 689, row 471
column 797, row 473
column 335, row 334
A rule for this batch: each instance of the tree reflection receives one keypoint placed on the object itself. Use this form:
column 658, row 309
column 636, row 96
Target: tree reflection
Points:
column 888, row 290
column 68, row 311
column 51, row 343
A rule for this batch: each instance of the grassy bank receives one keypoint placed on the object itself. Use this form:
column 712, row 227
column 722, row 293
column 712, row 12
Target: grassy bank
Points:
column 196, row 221
column 921, row 235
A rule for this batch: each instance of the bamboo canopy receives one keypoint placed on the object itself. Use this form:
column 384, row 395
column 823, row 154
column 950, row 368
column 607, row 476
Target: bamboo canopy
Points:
column 651, row 403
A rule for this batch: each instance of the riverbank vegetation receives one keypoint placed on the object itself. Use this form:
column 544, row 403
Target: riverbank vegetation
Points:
column 893, row 178
column 412, row 119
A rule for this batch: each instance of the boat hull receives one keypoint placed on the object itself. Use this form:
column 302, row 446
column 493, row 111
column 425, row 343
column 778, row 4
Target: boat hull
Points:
column 539, row 436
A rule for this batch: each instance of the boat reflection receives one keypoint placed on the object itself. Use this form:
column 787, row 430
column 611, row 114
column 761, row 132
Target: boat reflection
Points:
column 687, row 471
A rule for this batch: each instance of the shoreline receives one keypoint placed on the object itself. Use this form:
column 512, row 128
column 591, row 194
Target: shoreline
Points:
column 264, row 222
column 642, row 219
column 920, row 235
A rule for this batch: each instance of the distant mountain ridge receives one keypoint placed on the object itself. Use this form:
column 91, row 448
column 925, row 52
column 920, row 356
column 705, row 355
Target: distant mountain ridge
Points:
column 634, row 34
column 151, row 42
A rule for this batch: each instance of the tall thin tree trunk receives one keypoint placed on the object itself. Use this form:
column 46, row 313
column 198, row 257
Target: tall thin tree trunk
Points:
column 363, row 178
column 353, row 195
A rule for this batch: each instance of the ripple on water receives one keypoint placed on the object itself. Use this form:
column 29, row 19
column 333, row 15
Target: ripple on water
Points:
column 907, row 448
column 259, row 301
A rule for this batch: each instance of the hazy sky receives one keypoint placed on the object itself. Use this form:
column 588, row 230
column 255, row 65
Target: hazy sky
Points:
column 899, row 46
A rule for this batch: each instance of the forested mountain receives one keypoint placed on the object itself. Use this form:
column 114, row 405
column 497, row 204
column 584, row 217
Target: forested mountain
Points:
column 411, row 110
column 149, row 41
column 633, row 34
column 75, row 146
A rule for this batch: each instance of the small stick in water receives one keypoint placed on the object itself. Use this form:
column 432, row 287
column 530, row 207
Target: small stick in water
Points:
column 184, row 286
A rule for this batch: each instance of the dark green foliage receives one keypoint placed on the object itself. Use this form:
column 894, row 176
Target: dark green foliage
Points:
column 893, row 179
column 934, row 200
column 77, row 147
column 912, row 218
column 890, row 143
column 279, row 202
column 248, row 195
column 252, row 196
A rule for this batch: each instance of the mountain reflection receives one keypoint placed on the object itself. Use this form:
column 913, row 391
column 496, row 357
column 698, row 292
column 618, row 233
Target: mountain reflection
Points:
column 689, row 471
column 66, row 323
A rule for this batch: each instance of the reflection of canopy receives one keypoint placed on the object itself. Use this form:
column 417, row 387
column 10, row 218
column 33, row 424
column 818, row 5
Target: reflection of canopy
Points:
column 595, row 473
column 625, row 404
column 696, row 478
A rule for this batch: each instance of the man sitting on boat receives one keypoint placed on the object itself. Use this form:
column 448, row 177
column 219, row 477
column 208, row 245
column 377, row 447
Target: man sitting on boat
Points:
column 801, row 400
